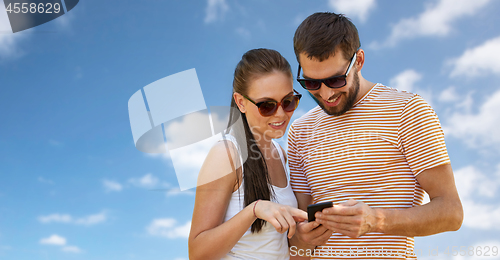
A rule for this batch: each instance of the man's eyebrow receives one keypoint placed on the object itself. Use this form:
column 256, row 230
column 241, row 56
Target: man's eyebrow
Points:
column 334, row 75
column 341, row 73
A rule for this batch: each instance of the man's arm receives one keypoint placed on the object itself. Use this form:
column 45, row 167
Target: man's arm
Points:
column 443, row 213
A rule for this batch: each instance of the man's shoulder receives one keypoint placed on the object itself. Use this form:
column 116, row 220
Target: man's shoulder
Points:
column 386, row 98
column 401, row 101
column 393, row 94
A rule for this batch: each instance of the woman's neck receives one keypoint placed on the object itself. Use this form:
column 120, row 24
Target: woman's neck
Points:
column 265, row 146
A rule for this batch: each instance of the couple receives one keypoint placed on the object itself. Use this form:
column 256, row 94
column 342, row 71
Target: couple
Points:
column 371, row 150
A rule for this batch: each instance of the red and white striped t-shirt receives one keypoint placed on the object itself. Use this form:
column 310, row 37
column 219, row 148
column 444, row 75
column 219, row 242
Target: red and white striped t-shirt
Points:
column 372, row 153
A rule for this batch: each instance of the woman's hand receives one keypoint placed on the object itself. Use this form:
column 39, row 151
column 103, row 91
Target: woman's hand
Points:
column 282, row 217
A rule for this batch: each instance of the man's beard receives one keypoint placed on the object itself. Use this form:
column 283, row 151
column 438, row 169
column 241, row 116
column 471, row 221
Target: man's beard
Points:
column 350, row 97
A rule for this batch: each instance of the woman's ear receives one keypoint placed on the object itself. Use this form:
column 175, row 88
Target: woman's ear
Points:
column 239, row 100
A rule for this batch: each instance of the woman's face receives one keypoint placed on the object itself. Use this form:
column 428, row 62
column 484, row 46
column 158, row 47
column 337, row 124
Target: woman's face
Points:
column 273, row 86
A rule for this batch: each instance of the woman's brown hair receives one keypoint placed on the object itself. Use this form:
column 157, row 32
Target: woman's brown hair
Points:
column 256, row 182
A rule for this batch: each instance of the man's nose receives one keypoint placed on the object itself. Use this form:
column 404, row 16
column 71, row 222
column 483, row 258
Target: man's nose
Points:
column 326, row 92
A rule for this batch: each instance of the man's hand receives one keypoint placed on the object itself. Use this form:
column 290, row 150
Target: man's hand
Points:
column 311, row 234
column 352, row 218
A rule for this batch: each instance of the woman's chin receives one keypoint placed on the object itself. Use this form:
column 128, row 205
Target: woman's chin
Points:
column 274, row 134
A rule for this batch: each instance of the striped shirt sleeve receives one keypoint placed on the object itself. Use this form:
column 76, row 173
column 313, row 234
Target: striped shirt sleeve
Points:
column 298, row 179
column 420, row 136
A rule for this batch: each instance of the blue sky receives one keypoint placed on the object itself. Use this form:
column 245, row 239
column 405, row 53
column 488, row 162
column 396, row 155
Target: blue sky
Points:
column 72, row 183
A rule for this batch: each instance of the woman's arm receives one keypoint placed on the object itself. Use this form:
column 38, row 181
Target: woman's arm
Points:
column 210, row 237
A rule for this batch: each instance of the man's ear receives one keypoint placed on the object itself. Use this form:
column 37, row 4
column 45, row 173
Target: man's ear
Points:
column 360, row 59
column 239, row 99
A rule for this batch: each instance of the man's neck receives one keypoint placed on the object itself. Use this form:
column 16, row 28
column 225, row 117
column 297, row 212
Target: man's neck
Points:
column 364, row 87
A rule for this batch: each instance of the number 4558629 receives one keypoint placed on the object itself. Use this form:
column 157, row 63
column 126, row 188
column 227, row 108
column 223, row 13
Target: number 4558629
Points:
column 472, row 251
column 25, row 8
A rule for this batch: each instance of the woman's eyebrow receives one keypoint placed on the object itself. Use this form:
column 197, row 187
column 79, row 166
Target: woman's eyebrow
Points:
column 268, row 98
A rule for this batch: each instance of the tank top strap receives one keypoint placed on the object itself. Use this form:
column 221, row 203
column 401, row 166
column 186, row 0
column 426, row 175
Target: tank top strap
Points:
column 282, row 156
column 232, row 139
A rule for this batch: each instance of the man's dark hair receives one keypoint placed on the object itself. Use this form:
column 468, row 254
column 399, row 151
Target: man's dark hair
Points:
column 320, row 34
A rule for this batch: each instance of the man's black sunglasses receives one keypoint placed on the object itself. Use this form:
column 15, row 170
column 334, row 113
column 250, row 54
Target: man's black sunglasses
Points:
column 332, row 82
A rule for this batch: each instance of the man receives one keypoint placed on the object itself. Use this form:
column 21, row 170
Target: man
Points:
column 371, row 150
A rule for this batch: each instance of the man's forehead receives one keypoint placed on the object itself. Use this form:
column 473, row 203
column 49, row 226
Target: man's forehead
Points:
column 314, row 68
column 323, row 57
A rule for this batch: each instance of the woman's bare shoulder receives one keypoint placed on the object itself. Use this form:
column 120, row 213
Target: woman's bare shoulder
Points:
column 221, row 164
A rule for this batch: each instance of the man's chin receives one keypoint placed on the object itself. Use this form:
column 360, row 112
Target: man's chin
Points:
column 332, row 111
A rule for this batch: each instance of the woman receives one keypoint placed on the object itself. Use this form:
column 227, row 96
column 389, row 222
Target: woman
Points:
column 245, row 214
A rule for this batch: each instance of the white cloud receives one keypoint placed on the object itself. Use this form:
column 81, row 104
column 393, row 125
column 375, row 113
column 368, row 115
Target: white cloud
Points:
column 478, row 130
column 478, row 61
column 188, row 160
column 473, row 185
column 405, row 80
column 188, row 129
column 466, row 103
column 78, row 72
column 61, row 218
column 43, row 180
column 60, row 241
column 168, row 227
column 216, row 9
column 111, row 185
column 436, row 20
column 66, row 218
column 64, row 22
column 5, row 247
column 189, row 141
column 91, row 219
column 481, row 216
column 298, row 19
column 448, row 95
column 460, row 102
column 53, row 240
column 71, row 249
column 244, row 33
column 146, row 181
column 55, row 143
column 472, row 182
column 353, row 8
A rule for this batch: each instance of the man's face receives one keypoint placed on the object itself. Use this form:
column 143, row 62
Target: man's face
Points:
column 334, row 101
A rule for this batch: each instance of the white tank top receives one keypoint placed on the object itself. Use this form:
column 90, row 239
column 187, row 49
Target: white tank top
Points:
column 267, row 243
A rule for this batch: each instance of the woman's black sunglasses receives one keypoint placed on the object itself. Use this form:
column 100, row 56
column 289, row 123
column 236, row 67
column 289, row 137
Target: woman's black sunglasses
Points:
column 269, row 107
column 332, row 82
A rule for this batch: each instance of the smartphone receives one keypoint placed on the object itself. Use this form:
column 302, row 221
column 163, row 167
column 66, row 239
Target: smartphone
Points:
column 313, row 208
